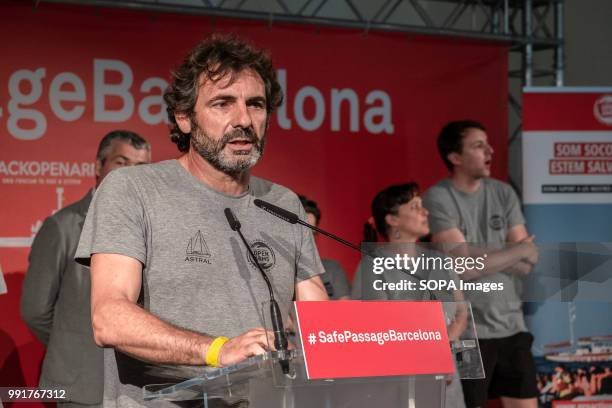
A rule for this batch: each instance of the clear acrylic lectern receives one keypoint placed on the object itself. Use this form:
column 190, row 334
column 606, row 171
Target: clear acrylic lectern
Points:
column 259, row 382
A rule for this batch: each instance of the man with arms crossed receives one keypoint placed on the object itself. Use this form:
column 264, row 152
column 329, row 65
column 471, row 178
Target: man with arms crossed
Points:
column 55, row 300
column 172, row 284
column 469, row 207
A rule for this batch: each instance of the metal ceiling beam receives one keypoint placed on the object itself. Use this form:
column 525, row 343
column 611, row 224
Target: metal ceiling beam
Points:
column 481, row 14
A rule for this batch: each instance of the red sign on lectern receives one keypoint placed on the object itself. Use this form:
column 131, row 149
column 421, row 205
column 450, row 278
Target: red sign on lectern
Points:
column 370, row 339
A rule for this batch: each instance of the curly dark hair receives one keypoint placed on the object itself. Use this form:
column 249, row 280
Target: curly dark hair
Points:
column 216, row 57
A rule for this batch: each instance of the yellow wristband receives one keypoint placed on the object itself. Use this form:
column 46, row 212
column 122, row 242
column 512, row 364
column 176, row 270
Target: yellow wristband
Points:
column 212, row 354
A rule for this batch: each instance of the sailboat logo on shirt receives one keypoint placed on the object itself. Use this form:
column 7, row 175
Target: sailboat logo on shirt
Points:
column 197, row 250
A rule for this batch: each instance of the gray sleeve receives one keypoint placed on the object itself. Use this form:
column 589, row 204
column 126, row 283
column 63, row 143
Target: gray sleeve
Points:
column 308, row 262
column 43, row 278
column 442, row 212
column 356, row 291
column 338, row 279
column 363, row 282
column 115, row 222
column 514, row 215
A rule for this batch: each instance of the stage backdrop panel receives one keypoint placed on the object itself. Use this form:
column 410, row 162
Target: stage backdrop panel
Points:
column 567, row 193
column 361, row 111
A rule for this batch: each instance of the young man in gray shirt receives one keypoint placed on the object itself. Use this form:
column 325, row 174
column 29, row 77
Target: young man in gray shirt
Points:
column 172, row 284
column 472, row 209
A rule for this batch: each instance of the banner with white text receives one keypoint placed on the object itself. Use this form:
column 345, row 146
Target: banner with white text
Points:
column 567, row 192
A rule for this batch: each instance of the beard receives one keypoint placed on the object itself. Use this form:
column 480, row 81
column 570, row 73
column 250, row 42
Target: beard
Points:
column 233, row 162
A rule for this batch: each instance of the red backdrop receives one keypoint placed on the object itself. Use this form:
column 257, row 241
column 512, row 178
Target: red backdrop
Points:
column 68, row 74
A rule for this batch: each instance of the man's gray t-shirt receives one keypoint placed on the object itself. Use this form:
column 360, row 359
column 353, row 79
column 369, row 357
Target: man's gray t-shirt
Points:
column 484, row 217
column 196, row 271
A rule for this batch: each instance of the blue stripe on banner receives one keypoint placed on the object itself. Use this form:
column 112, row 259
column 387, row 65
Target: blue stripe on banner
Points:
column 550, row 322
column 569, row 222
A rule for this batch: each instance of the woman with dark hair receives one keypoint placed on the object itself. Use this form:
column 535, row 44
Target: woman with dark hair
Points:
column 397, row 215
column 399, row 219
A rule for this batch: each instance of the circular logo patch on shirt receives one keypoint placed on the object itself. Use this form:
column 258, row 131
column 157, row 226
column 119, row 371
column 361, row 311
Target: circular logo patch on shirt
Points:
column 496, row 222
column 264, row 254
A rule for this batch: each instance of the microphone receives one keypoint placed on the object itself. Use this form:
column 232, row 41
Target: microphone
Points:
column 294, row 219
column 278, row 211
column 280, row 338
column 232, row 220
